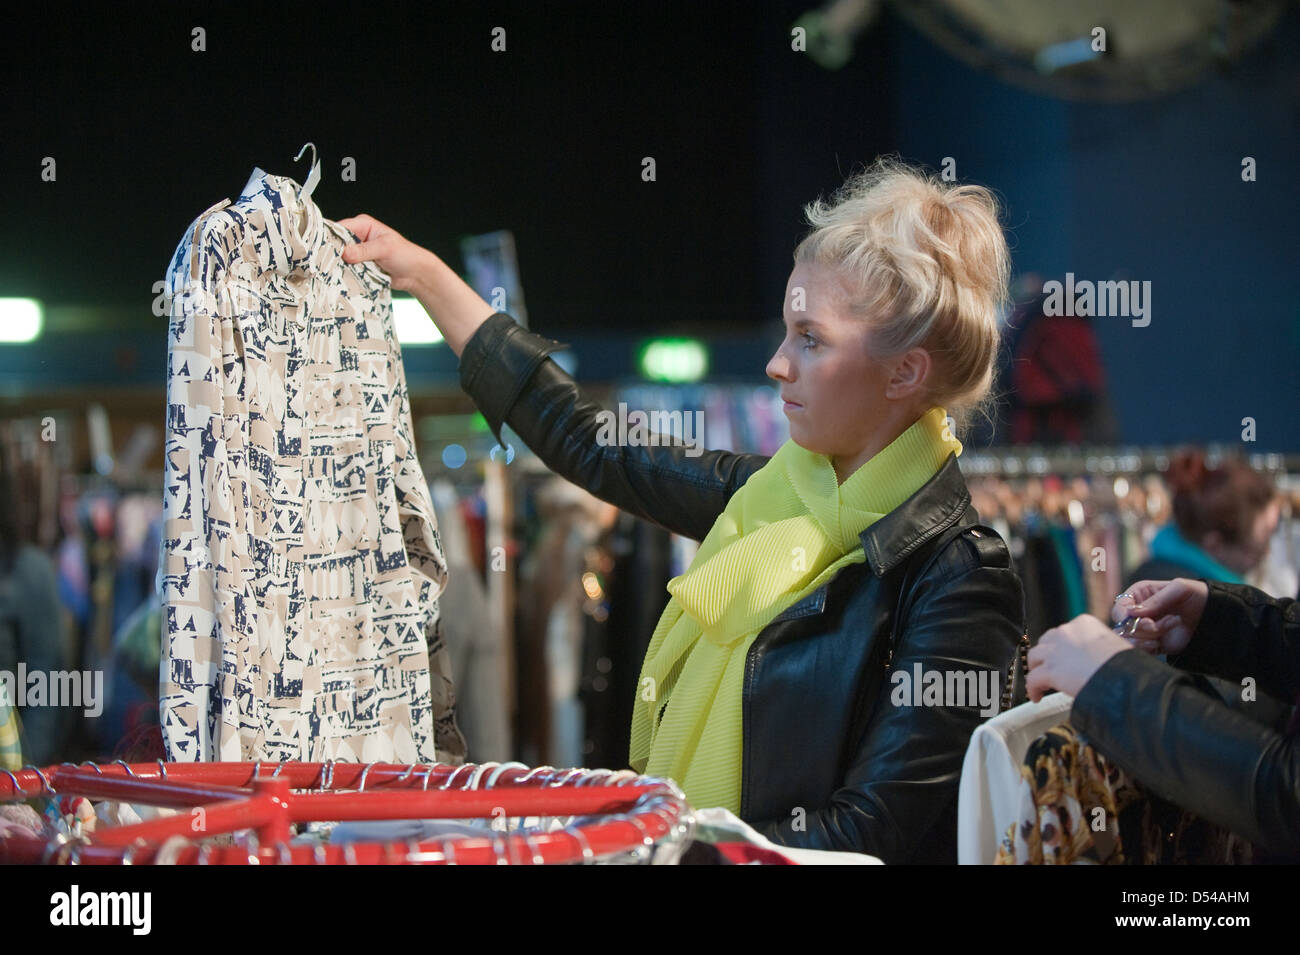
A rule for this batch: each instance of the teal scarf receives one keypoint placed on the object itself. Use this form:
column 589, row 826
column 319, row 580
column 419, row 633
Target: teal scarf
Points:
column 1174, row 547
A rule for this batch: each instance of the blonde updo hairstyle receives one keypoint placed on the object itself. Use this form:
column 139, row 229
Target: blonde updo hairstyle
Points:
column 924, row 263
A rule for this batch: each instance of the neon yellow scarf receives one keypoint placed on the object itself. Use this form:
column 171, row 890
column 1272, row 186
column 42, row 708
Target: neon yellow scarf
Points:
column 784, row 534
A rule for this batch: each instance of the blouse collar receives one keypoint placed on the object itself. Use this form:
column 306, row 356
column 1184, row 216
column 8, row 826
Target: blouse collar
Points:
column 289, row 246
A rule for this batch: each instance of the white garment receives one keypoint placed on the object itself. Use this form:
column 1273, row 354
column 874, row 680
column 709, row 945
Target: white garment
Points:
column 301, row 560
column 724, row 819
column 115, row 814
column 989, row 798
column 474, row 642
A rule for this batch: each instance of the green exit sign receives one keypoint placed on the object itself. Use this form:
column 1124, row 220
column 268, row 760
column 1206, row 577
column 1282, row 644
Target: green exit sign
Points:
column 673, row 359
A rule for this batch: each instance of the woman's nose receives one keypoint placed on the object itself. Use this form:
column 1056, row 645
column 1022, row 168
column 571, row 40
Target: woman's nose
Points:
column 778, row 367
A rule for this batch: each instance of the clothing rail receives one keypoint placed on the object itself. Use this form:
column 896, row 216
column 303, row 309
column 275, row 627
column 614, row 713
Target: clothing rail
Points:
column 1076, row 462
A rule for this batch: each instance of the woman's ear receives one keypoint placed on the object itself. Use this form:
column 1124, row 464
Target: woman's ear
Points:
column 909, row 375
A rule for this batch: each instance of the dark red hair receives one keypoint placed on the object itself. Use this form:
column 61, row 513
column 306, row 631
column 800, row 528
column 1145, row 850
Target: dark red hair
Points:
column 1227, row 498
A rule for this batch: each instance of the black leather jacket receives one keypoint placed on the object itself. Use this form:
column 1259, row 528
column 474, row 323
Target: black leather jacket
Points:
column 1196, row 742
column 829, row 761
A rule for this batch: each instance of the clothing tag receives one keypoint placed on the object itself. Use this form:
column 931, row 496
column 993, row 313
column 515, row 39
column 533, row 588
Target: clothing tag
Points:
column 251, row 186
column 313, row 179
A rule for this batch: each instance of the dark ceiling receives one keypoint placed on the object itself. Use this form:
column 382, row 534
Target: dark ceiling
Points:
column 449, row 138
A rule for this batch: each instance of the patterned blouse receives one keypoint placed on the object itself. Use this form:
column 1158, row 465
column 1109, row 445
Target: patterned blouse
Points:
column 301, row 559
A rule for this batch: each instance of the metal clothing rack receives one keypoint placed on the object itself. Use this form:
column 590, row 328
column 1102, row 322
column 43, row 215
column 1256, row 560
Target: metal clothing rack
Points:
column 578, row 815
column 1102, row 461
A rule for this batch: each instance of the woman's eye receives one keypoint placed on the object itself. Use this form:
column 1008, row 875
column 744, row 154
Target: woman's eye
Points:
column 809, row 341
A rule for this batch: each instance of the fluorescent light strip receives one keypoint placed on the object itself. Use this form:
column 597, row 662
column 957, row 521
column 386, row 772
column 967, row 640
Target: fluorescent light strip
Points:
column 413, row 324
column 21, row 319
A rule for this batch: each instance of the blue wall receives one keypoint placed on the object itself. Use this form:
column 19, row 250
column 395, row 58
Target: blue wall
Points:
column 1148, row 191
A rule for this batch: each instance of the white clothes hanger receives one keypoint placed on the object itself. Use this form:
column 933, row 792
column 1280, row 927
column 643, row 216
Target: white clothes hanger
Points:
column 309, row 184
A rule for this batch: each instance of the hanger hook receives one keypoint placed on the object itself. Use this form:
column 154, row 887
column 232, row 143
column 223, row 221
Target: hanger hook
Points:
column 313, row 172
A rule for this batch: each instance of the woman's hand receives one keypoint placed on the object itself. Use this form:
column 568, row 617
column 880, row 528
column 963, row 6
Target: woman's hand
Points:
column 402, row 259
column 1168, row 612
column 1066, row 657
column 455, row 308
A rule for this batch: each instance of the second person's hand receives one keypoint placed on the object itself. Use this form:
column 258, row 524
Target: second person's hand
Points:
column 1066, row 657
column 1169, row 611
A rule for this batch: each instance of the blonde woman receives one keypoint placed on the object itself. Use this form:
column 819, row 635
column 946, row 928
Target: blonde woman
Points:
column 820, row 667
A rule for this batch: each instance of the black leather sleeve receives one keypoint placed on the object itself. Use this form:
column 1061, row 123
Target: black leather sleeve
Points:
column 505, row 369
column 1187, row 746
column 1246, row 633
column 903, row 776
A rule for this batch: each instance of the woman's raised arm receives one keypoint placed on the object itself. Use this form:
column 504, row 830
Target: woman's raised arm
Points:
column 453, row 305
column 505, row 369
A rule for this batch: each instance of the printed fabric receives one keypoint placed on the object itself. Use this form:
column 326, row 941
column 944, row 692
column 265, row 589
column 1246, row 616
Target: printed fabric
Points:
column 301, row 563
column 1078, row 808
column 989, row 795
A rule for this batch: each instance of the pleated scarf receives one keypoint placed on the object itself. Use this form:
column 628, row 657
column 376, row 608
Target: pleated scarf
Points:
column 786, row 532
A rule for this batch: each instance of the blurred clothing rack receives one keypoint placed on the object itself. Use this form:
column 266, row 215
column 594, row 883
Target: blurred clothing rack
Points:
column 1078, row 462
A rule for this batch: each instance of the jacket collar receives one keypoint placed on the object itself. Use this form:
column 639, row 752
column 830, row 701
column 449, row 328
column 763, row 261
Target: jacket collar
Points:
column 934, row 508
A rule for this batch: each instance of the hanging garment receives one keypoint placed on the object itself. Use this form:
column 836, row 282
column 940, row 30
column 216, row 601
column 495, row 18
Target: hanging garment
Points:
column 474, row 642
column 642, row 553
column 31, row 634
column 1067, row 554
column 989, row 798
column 11, row 750
column 1079, row 808
column 301, row 558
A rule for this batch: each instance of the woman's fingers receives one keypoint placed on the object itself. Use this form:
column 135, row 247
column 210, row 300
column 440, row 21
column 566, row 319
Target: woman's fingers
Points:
column 369, row 231
column 360, row 225
column 1139, row 594
column 1143, row 589
column 378, row 246
column 362, row 251
column 1157, row 598
column 1038, row 684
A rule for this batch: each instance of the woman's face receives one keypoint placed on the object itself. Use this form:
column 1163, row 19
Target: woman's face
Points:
column 1250, row 553
column 833, row 388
